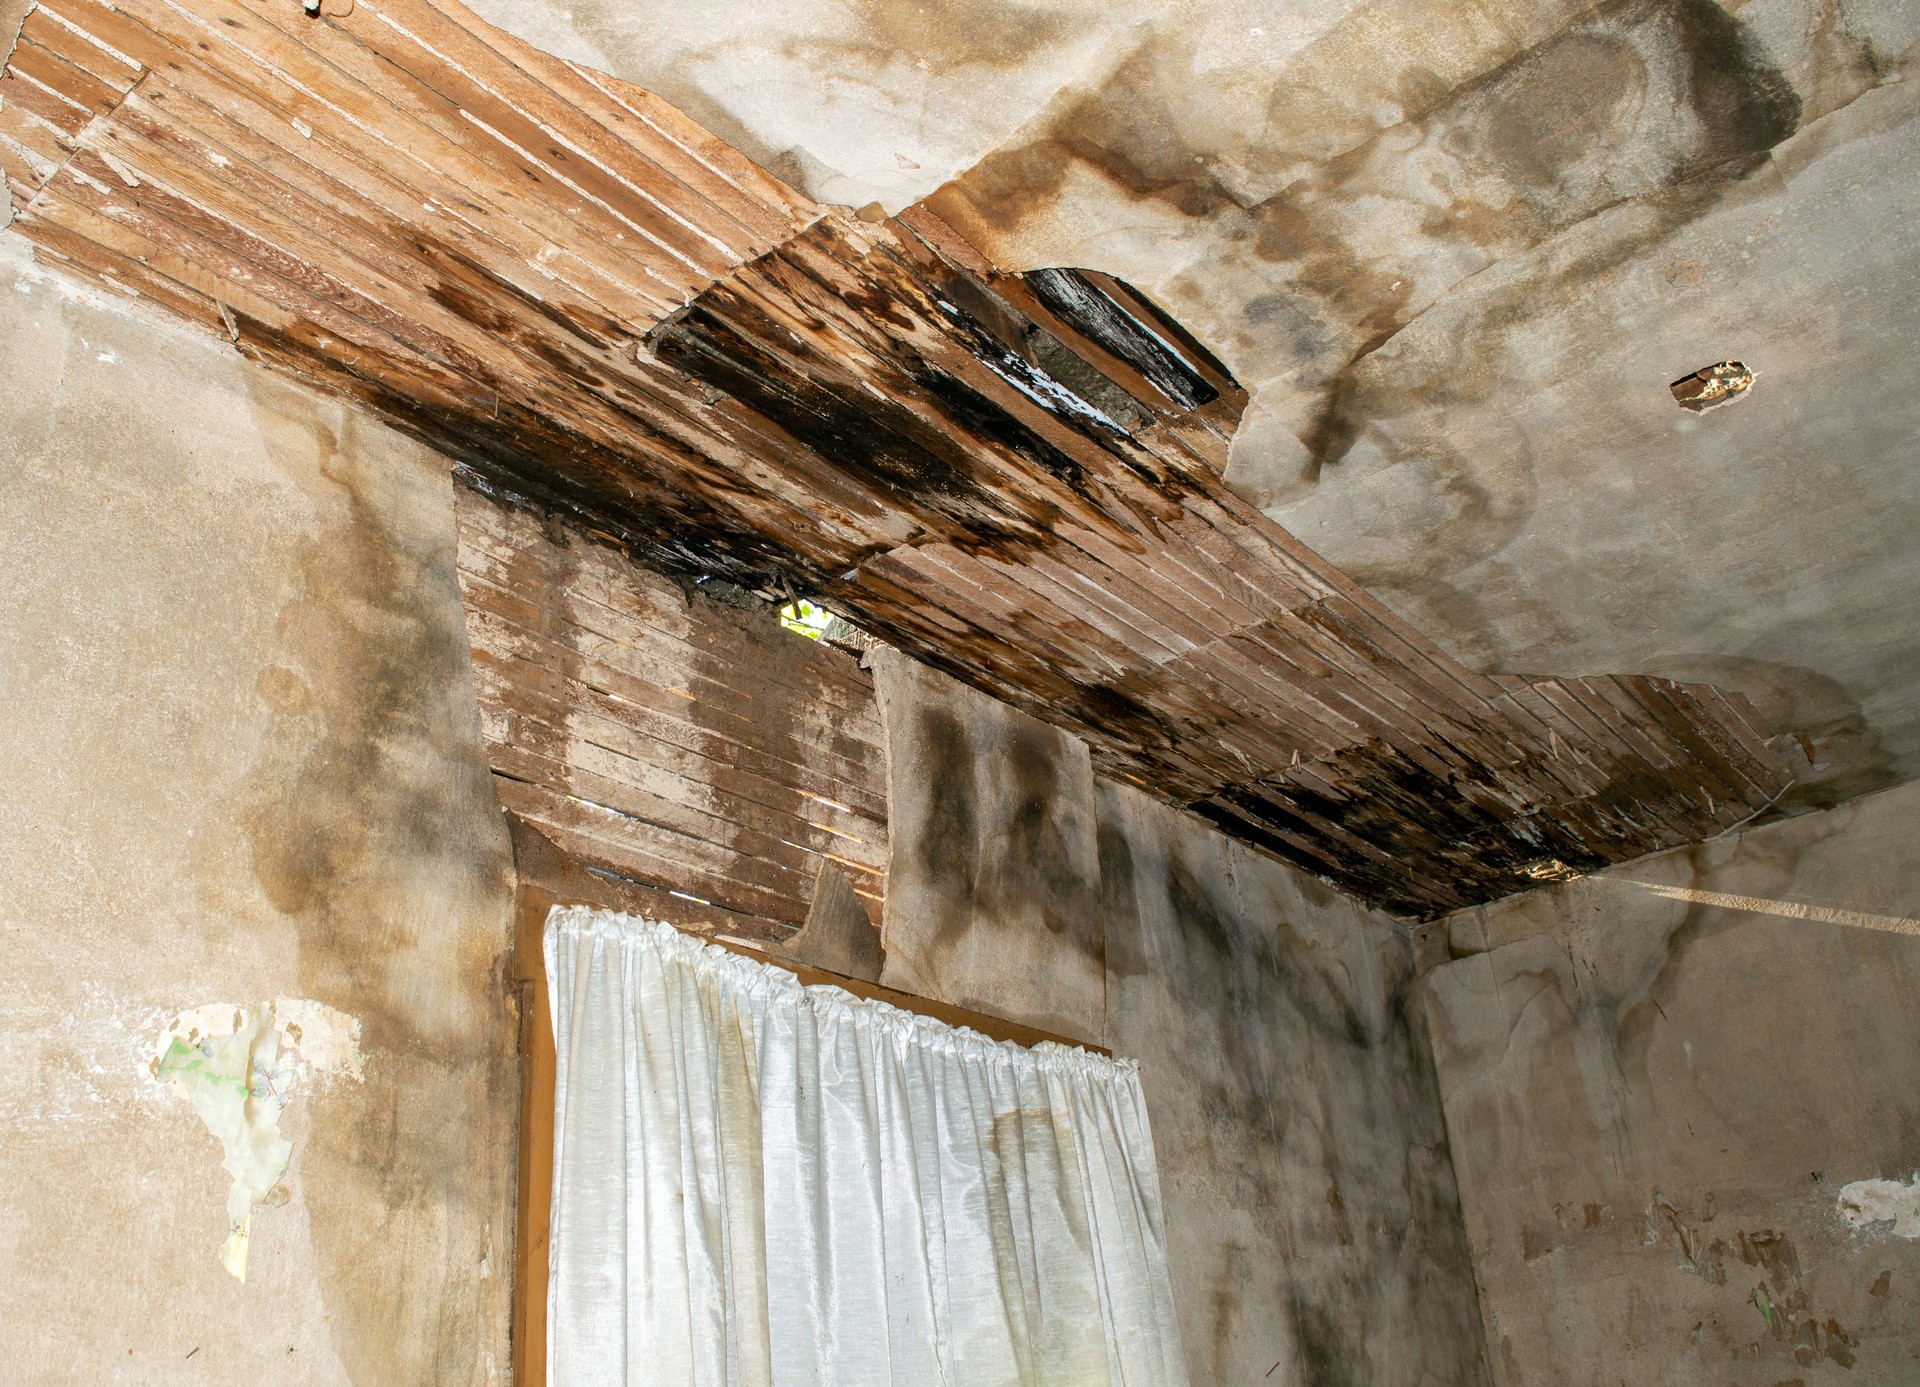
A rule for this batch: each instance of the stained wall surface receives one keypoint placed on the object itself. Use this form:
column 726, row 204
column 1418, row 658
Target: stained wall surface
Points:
column 242, row 763
column 1314, row 1228
column 1664, row 1087
column 994, row 874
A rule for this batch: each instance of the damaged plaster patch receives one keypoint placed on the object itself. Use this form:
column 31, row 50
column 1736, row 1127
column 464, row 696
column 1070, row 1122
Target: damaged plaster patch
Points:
column 1712, row 386
column 239, row 1067
column 1866, row 1203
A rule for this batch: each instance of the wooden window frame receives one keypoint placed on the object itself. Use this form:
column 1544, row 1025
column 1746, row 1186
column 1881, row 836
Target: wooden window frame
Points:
column 548, row 876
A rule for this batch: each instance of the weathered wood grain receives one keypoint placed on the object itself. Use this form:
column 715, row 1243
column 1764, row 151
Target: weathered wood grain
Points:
column 661, row 736
column 602, row 311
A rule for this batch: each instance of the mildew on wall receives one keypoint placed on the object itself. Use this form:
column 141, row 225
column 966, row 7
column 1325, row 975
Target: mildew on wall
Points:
column 1314, row 1229
column 1681, row 1102
column 243, row 762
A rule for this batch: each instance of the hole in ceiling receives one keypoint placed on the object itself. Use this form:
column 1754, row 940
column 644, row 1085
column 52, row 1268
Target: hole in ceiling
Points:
column 816, row 623
column 803, row 618
column 1718, row 384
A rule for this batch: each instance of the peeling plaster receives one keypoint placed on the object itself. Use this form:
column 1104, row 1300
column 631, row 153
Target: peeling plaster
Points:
column 240, row 1067
column 1867, row 1203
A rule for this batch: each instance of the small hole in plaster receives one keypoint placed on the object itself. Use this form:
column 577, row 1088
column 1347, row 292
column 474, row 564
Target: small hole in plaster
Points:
column 1718, row 384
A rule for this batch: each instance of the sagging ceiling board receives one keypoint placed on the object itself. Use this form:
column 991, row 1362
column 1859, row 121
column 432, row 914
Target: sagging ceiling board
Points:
column 570, row 288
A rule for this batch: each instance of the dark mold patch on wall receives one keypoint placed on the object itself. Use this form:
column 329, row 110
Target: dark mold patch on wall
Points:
column 1294, row 1111
column 1639, row 1210
column 1296, row 1120
column 993, row 880
column 373, row 825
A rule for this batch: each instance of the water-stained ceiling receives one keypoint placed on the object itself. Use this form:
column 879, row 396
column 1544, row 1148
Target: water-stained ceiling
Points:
column 1457, row 253
column 1041, row 481
column 595, row 305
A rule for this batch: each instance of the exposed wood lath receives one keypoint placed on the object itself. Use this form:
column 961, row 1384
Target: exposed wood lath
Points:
column 567, row 286
column 664, row 737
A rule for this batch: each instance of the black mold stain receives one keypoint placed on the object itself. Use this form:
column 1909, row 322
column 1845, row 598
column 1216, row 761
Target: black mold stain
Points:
column 928, row 469
column 1083, row 305
column 1744, row 106
column 370, row 800
column 1353, row 1198
column 1119, row 903
column 1553, row 116
column 949, row 848
column 1247, row 966
column 1747, row 105
column 1037, row 862
column 995, row 850
column 1327, row 1353
column 534, row 456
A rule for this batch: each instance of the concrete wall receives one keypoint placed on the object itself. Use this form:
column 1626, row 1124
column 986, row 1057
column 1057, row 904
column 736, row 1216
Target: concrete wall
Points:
column 241, row 763
column 1665, row 1086
column 1314, row 1228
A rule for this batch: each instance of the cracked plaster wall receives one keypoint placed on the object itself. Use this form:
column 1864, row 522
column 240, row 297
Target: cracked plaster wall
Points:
column 1682, row 1108
column 1456, row 251
column 242, row 763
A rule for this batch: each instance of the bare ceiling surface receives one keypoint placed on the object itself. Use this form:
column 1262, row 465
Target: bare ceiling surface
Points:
column 1456, row 252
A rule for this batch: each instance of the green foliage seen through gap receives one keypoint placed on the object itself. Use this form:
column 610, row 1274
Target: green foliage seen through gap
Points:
column 805, row 618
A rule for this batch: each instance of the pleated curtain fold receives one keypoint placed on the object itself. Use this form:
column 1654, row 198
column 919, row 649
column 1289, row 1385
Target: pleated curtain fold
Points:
column 759, row 1183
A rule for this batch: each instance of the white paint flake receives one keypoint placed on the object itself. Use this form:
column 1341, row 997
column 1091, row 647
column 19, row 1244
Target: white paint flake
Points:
column 240, row 1066
column 1867, row 1203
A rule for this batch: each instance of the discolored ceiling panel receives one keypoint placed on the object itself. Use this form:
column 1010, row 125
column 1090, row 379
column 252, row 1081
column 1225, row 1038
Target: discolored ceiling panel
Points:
column 560, row 281
column 1456, row 252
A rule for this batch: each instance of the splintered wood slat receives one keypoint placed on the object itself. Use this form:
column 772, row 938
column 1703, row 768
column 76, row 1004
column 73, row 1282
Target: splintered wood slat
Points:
column 601, row 311
column 669, row 739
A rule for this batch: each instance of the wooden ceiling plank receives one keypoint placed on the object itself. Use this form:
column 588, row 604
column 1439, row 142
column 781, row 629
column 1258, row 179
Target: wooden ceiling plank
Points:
column 313, row 95
column 80, row 254
column 480, row 88
column 939, row 576
column 687, row 805
column 64, row 117
column 680, row 750
column 48, row 28
column 748, row 215
column 772, row 863
column 252, row 102
column 658, row 615
column 650, row 854
column 71, row 83
column 40, row 142
column 768, row 208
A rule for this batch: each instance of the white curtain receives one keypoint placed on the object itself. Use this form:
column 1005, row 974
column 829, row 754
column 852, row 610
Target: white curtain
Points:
column 757, row 1182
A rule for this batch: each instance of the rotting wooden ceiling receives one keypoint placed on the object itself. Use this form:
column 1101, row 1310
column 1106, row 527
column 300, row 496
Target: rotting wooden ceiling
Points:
column 567, row 286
